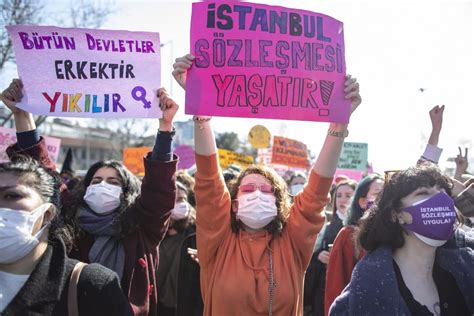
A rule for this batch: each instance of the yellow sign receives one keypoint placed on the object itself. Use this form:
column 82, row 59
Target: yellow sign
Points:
column 133, row 159
column 259, row 137
column 228, row 157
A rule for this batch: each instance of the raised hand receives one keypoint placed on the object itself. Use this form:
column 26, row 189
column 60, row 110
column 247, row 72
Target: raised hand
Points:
column 351, row 88
column 461, row 164
column 436, row 115
column 180, row 69
column 169, row 108
column 12, row 95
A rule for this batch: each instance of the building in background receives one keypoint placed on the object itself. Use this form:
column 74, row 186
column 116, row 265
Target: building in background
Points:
column 88, row 144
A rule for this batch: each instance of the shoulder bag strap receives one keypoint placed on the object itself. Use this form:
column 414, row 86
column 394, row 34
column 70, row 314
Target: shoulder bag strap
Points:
column 72, row 305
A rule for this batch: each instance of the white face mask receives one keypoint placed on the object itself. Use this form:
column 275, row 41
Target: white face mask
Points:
column 16, row 228
column 341, row 215
column 103, row 197
column 296, row 188
column 256, row 209
column 429, row 241
column 180, row 211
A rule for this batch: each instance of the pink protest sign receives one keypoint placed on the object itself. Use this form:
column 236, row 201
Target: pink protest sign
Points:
column 53, row 145
column 8, row 137
column 261, row 61
column 88, row 73
column 350, row 173
column 186, row 156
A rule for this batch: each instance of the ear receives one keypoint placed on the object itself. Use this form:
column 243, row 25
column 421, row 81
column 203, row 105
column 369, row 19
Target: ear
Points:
column 49, row 214
column 363, row 202
column 234, row 205
column 397, row 218
column 404, row 217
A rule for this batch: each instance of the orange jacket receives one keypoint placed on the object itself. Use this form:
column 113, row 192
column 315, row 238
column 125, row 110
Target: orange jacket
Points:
column 342, row 261
column 235, row 267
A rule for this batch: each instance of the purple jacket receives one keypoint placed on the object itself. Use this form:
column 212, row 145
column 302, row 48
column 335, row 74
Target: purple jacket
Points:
column 151, row 209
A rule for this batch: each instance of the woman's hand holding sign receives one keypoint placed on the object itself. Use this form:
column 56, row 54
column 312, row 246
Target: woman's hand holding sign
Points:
column 352, row 92
column 11, row 96
column 181, row 67
column 169, row 108
column 328, row 158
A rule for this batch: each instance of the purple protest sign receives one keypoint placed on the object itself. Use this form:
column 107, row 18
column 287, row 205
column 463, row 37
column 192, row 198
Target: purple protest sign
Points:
column 261, row 61
column 186, row 156
column 88, row 73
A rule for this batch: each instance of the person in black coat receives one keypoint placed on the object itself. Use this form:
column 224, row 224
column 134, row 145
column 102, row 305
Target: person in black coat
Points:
column 179, row 290
column 315, row 278
column 35, row 271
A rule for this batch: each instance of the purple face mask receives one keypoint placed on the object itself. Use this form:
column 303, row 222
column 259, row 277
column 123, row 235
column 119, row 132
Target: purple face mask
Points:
column 433, row 218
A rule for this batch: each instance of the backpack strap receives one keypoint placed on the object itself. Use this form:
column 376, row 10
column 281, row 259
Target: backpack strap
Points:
column 72, row 304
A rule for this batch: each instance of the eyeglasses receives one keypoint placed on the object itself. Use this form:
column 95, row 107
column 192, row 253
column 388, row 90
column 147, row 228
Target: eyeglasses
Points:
column 389, row 174
column 252, row 187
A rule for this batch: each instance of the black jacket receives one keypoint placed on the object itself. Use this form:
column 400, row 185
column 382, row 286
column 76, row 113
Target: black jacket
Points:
column 45, row 291
column 189, row 287
column 315, row 277
column 188, row 296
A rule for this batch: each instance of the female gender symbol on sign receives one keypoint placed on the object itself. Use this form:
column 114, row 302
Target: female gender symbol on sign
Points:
column 139, row 94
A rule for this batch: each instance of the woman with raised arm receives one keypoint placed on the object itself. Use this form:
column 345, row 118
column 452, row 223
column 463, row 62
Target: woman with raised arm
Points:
column 117, row 222
column 253, row 245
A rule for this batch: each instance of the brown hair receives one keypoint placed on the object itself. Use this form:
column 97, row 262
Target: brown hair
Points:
column 349, row 182
column 281, row 195
column 183, row 177
column 190, row 220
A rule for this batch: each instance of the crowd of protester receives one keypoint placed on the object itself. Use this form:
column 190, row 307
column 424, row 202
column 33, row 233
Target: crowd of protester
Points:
column 234, row 241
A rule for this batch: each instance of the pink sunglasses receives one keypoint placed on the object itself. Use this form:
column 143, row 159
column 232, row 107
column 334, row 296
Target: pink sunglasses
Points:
column 252, row 187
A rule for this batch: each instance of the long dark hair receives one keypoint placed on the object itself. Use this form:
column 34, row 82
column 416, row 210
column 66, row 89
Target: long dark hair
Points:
column 355, row 211
column 130, row 191
column 377, row 227
column 47, row 184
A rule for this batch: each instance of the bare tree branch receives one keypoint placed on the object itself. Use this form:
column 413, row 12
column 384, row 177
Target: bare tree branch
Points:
column 90, row 14
column 16, row 12
column 82, row 13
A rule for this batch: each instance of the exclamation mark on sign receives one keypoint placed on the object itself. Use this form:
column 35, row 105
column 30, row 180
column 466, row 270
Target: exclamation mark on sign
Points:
column 326, row 88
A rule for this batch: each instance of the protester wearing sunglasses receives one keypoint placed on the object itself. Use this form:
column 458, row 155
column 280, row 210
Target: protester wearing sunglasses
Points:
column 253, row 245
